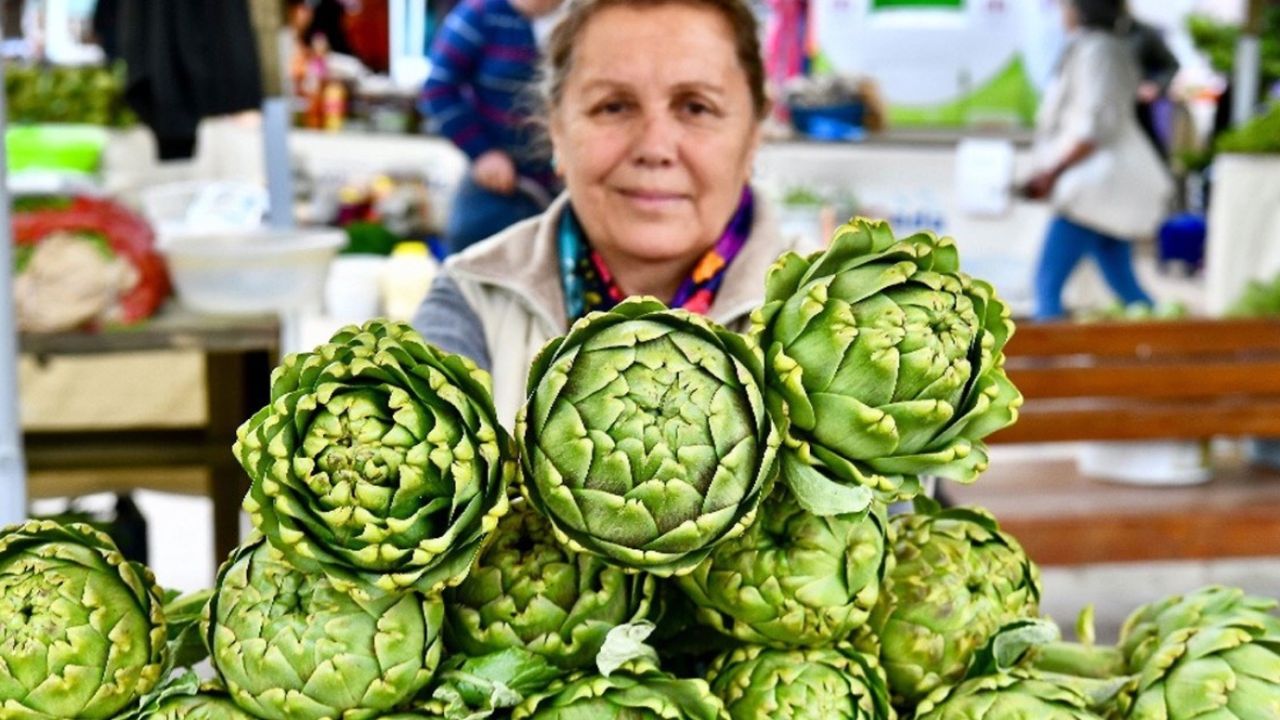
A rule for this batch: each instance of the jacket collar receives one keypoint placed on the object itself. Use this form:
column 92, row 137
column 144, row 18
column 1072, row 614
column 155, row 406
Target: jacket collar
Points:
column 530, row 267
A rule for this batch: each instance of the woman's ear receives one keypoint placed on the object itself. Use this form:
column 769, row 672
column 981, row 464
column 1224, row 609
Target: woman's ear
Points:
column 757, row 139
column 554, row 135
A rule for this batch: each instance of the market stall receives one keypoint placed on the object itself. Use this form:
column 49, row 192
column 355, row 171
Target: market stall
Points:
column 819, row 516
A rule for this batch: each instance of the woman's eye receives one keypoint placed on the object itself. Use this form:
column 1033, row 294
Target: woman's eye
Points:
column 611, row 107
column 698, row 108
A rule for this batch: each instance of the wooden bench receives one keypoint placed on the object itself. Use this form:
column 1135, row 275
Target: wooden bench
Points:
column 1145, row 380
column 1192, row 379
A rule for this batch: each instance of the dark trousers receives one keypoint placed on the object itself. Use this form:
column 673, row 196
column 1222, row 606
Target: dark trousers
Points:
column 478, row 213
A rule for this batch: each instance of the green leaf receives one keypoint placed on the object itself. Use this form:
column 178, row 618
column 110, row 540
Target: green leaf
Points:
column 820, row 495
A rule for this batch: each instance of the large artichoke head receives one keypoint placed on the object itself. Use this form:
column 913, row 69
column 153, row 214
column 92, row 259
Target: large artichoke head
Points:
column 794, row 578
column 645, row 439
column 834, row 683
column 292, row 646
column 636, row 691
column 888, row 364
column 957, row 580
column 1006, row 696
column 1226, row 669
column 1147, row 627
column 379, row 460
column 82, row 634
column 529, row 591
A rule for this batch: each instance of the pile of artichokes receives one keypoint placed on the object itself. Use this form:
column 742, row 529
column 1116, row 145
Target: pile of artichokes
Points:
column 685, row 523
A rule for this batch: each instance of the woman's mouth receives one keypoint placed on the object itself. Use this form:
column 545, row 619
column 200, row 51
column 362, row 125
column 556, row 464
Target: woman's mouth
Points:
column 651, row 199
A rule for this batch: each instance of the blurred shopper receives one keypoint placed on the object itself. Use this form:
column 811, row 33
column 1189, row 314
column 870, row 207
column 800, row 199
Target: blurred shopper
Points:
column 654, row 110
column 483, row 63
column 1105, row 181
column 1157, row 67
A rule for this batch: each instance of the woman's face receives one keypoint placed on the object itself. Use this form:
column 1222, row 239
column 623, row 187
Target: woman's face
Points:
column 655, row 131
column 1070, row 14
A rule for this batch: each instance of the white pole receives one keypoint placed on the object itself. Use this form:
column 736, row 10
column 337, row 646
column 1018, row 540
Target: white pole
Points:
column 1248, row 65
column 13, row 476
column 1245, row 80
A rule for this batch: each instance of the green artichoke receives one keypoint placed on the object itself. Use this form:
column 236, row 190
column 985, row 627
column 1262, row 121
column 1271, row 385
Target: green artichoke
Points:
column 794, row 578
column 528, row 591
column 636, row 691
column 836, row 683
column 957, row 580
column 1228, row 669
column 379, row 461
column 1148, row 626
column 292, row 646
column 645, row 439
column 1006, row 697
column 887, row 363
column 82, row 633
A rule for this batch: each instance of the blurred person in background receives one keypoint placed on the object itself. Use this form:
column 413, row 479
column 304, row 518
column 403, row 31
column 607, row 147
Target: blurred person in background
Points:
column 654, row 109
column 483, row 63
column 1157, row 67
column 1104, row 179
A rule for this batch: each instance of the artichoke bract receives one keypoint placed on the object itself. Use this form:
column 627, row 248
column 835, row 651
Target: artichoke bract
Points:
column 1226, row 669
column 1006, row 697
column 528, row 591
column 645, row 439
column 82, row 634
column 957, row 580
column 1147, row 627
column 887, row 363
column 636, row 691
column 380, row 460
column 794, row 578
column 292, row 646
column 834, row 683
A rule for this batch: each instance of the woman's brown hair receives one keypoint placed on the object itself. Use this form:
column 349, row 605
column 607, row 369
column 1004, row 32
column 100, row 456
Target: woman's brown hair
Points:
column 558, row 56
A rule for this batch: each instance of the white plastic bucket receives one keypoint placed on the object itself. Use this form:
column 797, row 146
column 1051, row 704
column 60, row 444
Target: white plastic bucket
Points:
column 250, row 272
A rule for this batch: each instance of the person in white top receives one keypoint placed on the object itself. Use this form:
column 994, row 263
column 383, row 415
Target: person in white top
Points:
column 1106, row 182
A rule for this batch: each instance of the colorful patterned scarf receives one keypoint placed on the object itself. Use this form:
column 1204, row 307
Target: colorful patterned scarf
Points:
column 590, row 286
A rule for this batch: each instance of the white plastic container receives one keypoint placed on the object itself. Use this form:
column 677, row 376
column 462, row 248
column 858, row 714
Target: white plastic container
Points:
column 250, row 272
column 353, row 292
column 1148, row 462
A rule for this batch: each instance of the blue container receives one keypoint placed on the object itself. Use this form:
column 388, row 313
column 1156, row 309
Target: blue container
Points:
column 1182, row 237
column 830, row 122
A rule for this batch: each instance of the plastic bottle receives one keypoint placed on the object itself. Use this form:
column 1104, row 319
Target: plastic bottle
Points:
column 406, row 278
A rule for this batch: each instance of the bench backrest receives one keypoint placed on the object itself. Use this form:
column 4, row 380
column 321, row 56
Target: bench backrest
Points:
column 1145, row 380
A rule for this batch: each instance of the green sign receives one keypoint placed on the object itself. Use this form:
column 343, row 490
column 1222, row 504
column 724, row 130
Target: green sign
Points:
column 918, row 4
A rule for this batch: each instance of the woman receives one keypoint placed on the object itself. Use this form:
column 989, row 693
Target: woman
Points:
column 654, row 110
column 1107, row 185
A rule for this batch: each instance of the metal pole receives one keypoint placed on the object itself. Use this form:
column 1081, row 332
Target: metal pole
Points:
column 1248, row 67
column 13, row 475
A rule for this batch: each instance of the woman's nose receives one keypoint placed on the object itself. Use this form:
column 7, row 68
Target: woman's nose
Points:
column 657, row 142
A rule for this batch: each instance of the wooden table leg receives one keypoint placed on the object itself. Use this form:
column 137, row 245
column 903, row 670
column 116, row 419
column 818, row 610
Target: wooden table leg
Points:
column 236, row 386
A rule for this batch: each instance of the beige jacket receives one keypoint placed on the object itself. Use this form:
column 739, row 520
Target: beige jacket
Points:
column 1122, row 188
column 512, row 282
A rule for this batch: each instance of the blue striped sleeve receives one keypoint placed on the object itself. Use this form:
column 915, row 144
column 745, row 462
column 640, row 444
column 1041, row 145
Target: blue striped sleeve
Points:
column 455, row 54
